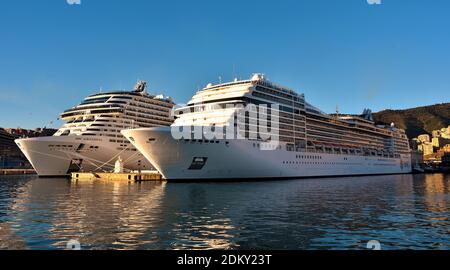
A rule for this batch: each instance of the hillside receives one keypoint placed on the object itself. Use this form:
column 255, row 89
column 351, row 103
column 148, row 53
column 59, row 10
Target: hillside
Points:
column 417, row 121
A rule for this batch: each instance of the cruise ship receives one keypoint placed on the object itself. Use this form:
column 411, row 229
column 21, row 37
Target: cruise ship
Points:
column 90, row 139
column 310, row 143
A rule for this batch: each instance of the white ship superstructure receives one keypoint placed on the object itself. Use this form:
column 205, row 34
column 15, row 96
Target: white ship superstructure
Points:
column 311, row 143
column 90, row 140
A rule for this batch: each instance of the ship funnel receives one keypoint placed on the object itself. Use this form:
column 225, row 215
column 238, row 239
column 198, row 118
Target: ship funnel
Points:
column 140, row 86
column 367, row 114
column 258, row 77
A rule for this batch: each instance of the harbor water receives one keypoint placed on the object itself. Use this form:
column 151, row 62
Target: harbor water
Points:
column 400, row 212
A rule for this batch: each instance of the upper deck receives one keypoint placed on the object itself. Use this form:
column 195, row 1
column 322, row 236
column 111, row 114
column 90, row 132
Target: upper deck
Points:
column 105, row 114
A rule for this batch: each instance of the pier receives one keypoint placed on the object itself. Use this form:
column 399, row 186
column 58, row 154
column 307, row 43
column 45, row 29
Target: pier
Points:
column 136, row 177
column 17, row 171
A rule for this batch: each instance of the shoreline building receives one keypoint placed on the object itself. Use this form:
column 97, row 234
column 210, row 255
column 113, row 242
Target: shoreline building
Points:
column 10, row 155
column 31, row 133
column 434, row 148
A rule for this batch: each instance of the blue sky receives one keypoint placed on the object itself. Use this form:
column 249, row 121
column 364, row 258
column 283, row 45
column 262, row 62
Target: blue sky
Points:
column 346, row 52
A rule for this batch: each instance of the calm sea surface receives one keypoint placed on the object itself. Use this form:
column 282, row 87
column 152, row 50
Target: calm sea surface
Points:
column 401, row 212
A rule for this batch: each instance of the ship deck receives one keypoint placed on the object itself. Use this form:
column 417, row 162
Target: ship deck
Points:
column 131, row 177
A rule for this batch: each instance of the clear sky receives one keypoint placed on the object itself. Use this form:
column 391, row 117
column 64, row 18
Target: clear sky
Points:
column 346, row 52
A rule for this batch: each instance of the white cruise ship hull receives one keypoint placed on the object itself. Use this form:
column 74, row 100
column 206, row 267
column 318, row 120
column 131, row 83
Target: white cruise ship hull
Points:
column 243, row 159
column 60, row 155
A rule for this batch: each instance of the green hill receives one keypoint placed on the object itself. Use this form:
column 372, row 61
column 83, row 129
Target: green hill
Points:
column 417, row 121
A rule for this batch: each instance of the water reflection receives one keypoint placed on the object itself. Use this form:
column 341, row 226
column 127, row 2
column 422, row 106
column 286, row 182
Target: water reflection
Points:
column 436, row 190
column 100, row 215
column 402, row 212
column 9, row 240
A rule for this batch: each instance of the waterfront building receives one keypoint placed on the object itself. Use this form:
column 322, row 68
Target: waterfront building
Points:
column 31, row 133
column 433, row 149
column 424, row 138
column 446, row 133
column 10, row 155
column 439, row 142
column 426, row 148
